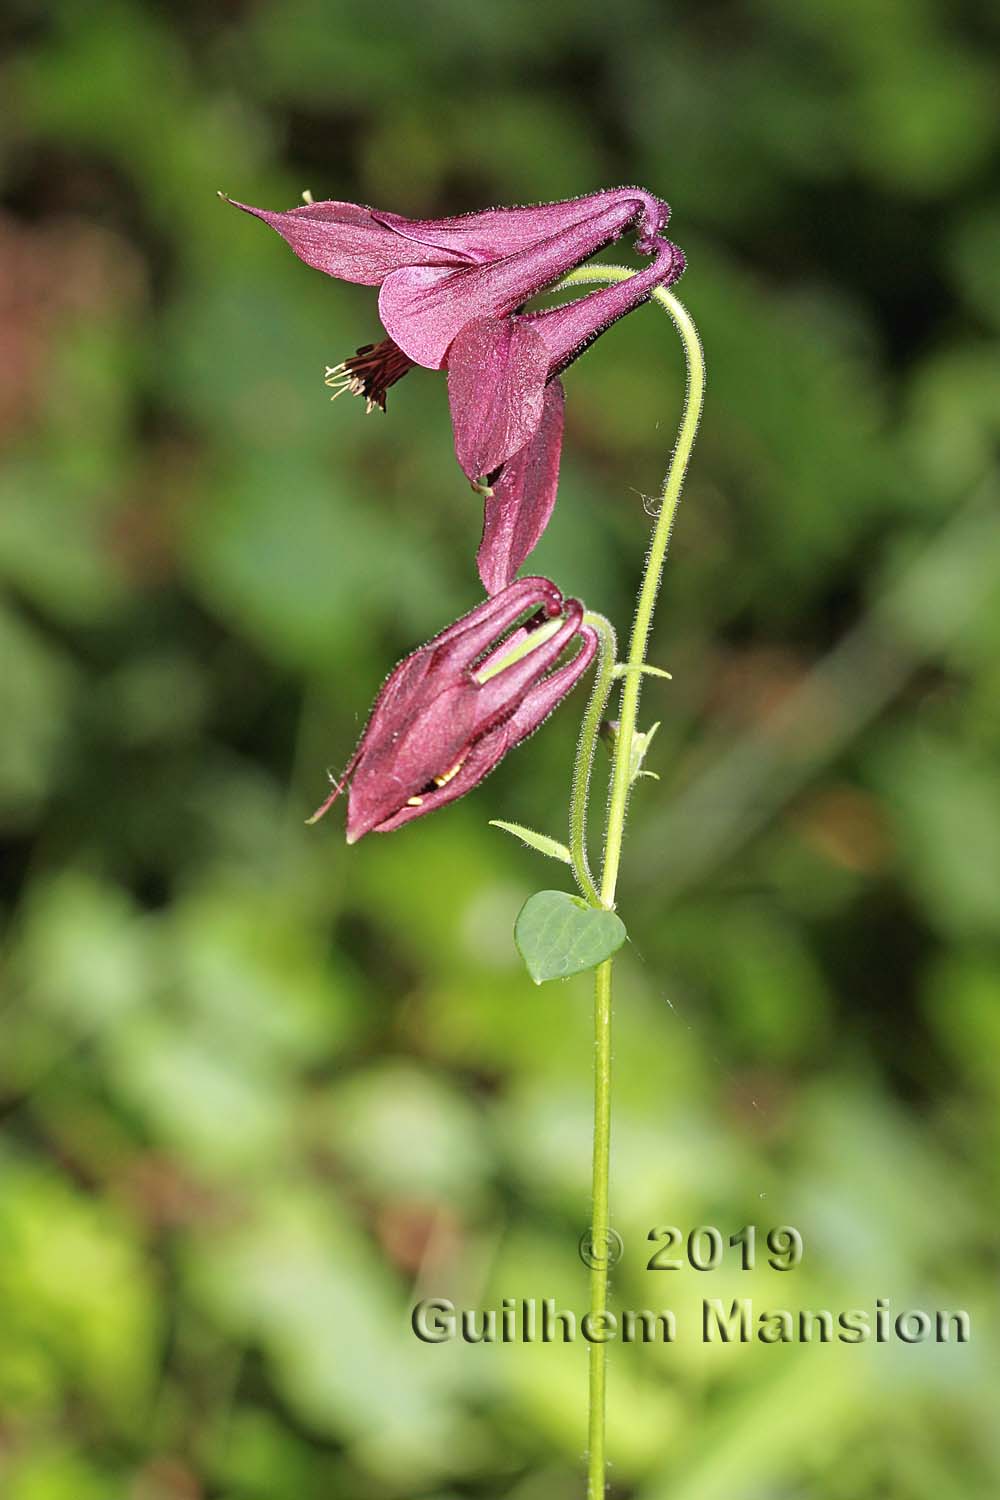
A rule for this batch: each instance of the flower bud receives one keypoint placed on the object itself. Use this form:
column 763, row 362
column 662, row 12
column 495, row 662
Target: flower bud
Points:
column 451, row 710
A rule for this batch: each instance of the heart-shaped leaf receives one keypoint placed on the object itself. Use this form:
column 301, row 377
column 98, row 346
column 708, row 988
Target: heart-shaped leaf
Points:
column 558, row 934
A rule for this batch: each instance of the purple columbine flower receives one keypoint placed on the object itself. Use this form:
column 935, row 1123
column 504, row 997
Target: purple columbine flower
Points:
column 452, row 293
column 450, row 711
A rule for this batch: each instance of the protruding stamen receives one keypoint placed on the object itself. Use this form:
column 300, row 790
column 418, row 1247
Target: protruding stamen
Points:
column 369, row 373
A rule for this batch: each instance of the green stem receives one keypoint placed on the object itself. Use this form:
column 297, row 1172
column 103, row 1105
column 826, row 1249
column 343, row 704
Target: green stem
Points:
column 607, row 656
column 599, row 1239
column 621, row 780
column 670, row 499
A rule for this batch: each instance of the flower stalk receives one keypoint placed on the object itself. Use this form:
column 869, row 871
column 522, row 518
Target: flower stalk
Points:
column 607, row 653
column 621, row 783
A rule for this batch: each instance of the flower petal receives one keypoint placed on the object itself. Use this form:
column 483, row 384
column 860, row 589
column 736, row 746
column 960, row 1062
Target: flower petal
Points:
column 350, row 242
column 464, row 644
column 540, row 700
column 497, row 368
column 498, row 232
column 423, row 308
column 518, row 511
column 569, row 328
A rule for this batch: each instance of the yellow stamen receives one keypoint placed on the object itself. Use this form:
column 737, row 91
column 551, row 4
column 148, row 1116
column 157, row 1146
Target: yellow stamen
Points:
column 414, row 801
column 340, row 379
column 449, row 775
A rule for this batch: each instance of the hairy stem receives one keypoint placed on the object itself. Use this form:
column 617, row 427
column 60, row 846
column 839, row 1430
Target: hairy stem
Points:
column 642, row 623
column 621, row 785
column 599, row 1226
column 589, row 731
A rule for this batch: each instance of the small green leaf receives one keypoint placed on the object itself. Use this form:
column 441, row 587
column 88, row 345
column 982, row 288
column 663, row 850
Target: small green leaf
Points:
column 641, row 742
column 558, row 935
column 623, row 669
column 539, row 841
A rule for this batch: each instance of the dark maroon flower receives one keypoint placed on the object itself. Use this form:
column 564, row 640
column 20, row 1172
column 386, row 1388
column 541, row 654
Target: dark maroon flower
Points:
column 450, row 711
column 452, row 293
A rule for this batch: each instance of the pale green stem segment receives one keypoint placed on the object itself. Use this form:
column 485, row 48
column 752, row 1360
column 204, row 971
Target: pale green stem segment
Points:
column 615, row 829
column 607, row 656
column 599, row 1227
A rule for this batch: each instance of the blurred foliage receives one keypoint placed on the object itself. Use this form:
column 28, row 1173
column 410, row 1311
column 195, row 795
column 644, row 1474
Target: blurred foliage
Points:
column 260, row 1092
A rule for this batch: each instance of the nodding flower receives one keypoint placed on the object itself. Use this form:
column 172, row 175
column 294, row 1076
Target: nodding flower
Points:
column 452, row 296
column 450, row 711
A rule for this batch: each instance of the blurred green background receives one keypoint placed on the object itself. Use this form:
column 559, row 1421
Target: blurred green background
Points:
column 259, row 1092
